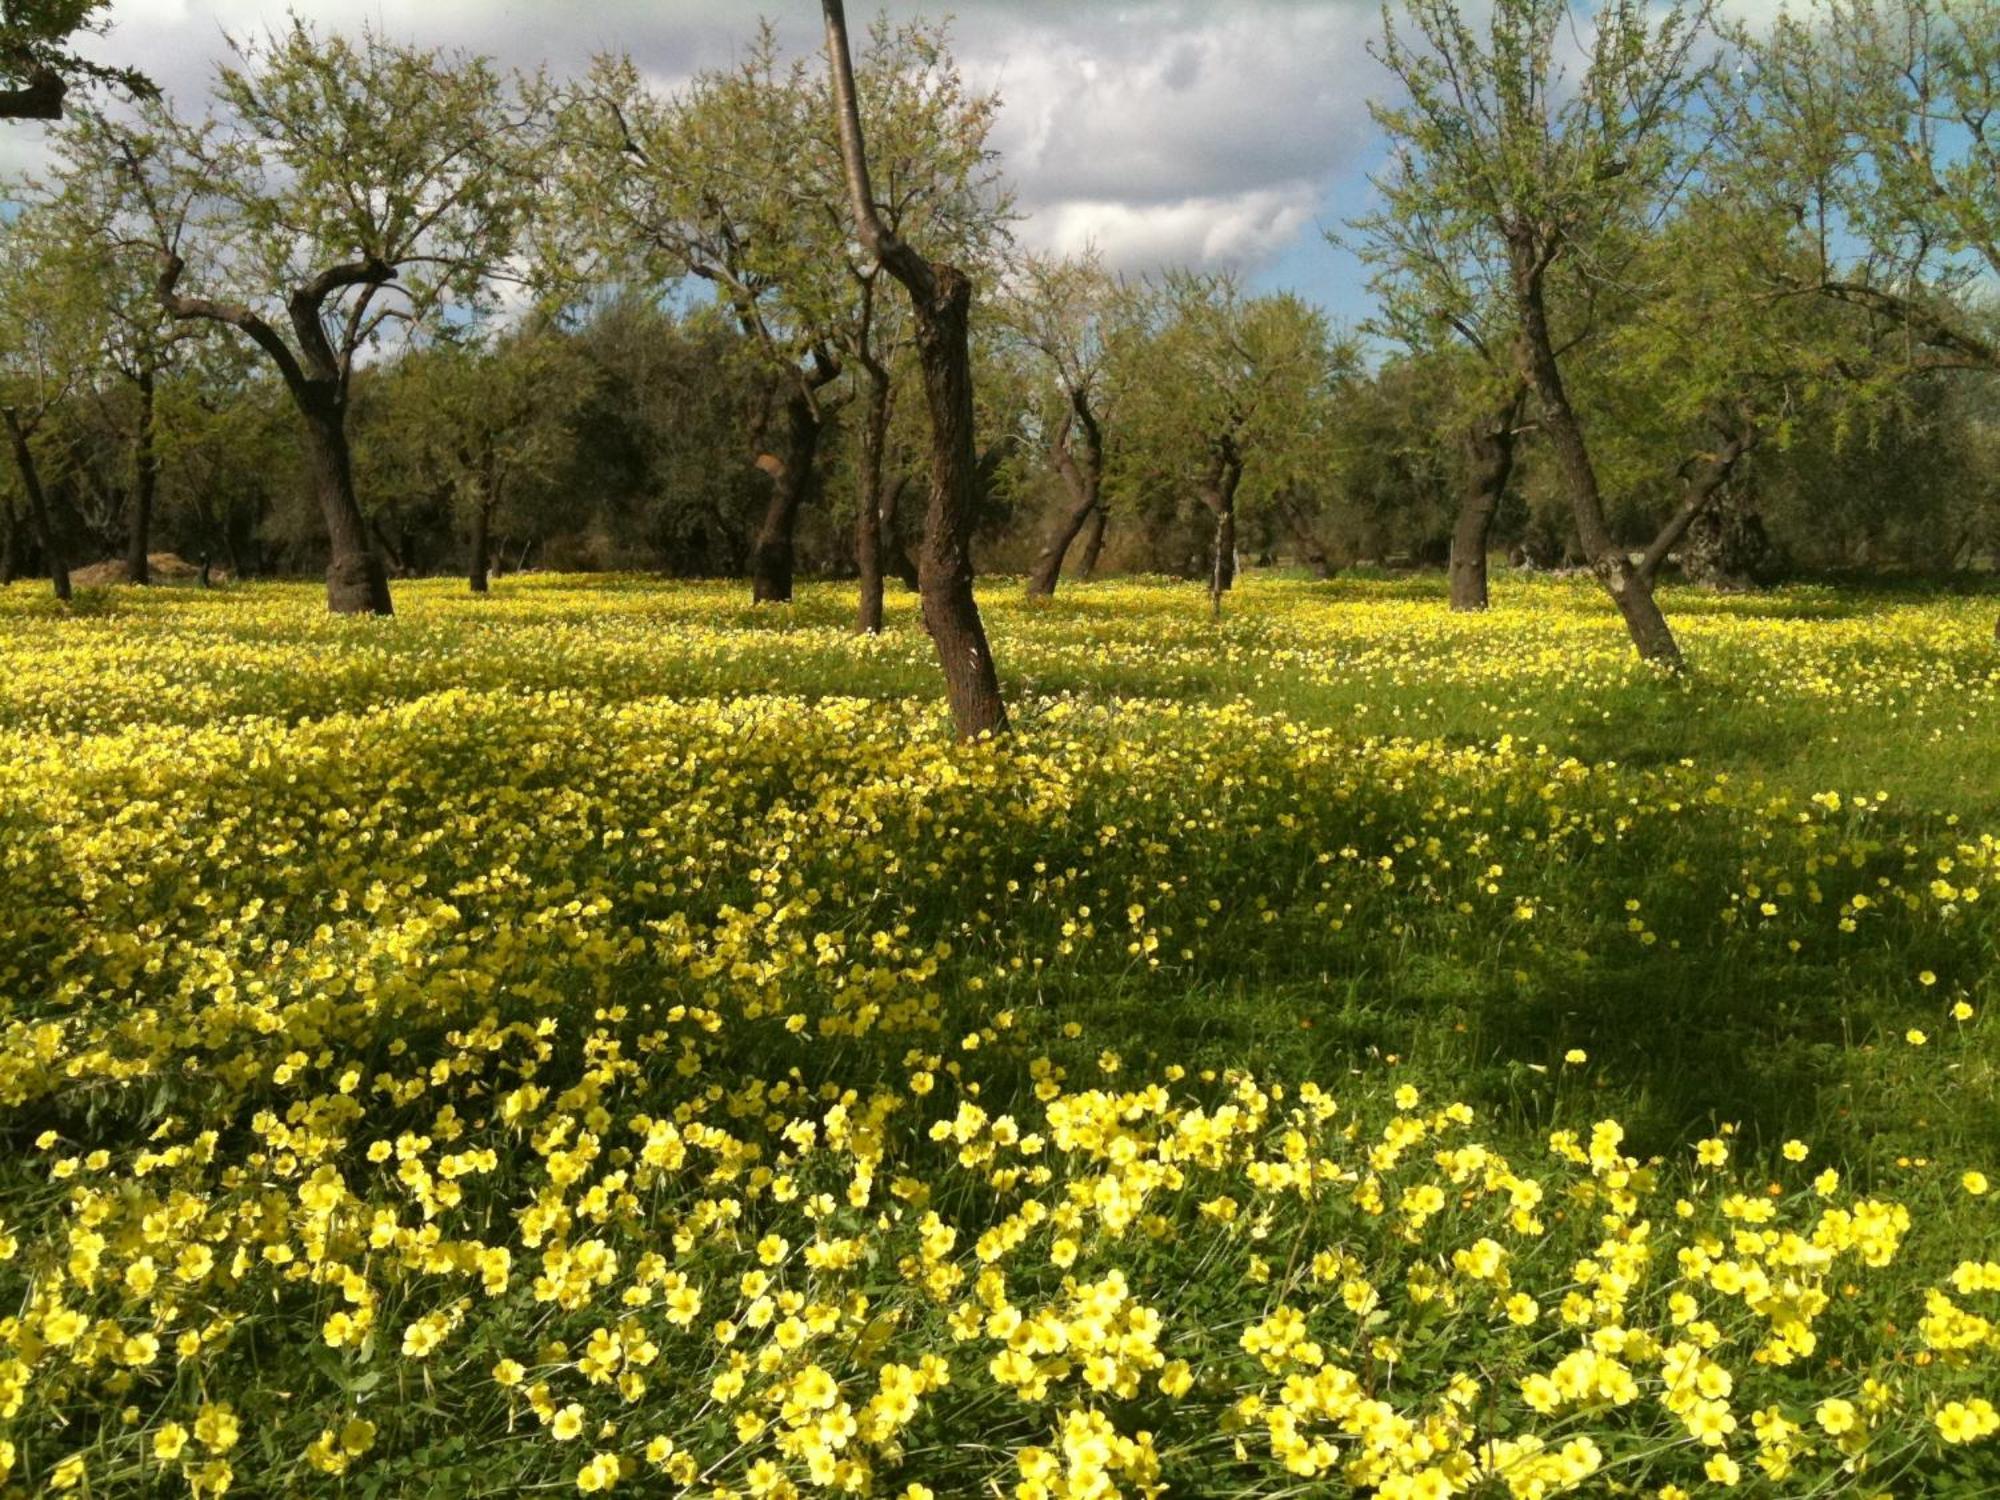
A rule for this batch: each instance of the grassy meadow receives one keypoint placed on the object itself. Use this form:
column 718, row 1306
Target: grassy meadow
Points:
column 607, row 1037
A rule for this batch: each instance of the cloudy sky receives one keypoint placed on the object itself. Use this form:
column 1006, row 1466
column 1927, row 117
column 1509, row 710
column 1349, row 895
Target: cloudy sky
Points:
column 1225, row 133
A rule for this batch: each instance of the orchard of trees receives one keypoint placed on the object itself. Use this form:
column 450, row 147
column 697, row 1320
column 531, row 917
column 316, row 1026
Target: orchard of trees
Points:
column 1653, row 291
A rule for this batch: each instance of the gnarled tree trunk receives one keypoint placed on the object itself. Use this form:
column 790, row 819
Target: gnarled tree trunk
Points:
column 1727, row 547
column 1630, row 590
column 1093, row 542
column 38, row 504
column 10, row 544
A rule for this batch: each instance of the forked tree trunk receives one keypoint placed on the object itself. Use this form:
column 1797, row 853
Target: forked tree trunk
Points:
column 1083, row 476
column 145, row 485
column 1093, row 543
column 1489, row 461
column 793, row 474
column 356, row 582
column 482, row 544
column 868, row 504
column 38, row 505
column 1630, row 590
column 941, row 299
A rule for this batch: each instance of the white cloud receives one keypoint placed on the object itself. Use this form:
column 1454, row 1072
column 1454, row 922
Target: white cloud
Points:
column 1162, row 129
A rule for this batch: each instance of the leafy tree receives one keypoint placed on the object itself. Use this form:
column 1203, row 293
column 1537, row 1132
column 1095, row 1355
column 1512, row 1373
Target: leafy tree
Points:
column 1875, row 124
column 90, row 208
column 738, row 182
column 1070, row 315
column 349, row 183
column 1226, row 385
column 1528, row 174
column 482, row 424
column 1448, row 303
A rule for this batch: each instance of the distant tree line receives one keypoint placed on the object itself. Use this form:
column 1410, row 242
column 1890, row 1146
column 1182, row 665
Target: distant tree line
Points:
column 1652, row 294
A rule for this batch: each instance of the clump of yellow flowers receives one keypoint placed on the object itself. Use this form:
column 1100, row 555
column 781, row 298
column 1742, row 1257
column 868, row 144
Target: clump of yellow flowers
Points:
column 527, row 1082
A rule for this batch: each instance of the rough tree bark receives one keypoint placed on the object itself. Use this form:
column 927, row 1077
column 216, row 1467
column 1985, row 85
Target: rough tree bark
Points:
column 941, row 299
column 1489, row 461
column 1702, row 481
column 1083, row 476
column 316, row 378
column 1311, row 548
column 896, row 556
column 1629, row 589
column 145, row 485
column 45, row 536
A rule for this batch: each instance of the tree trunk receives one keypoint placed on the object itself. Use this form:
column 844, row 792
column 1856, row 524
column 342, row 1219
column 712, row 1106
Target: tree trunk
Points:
column 356, row 582
column 868, row 504
column 793, row 475
column 482, row 544
column 145, row 484
column 941, row 300
column 10, row 544
column 1093, row 544
column 944, row 566
column 1083, row 477
column 1311, row 548
column 1219, row 495
column 895, row 555
column 38, row 505
column 1489, row 460
column 1727, row 547
column 1630, row 590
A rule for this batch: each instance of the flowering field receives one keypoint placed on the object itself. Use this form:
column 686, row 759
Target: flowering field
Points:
column 601, row 1037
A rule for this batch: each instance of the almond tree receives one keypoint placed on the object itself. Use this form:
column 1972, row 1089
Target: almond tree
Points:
column 1225, row 386
column 940, row 297
column 1068, row 314
column 737, row 181
column 346, row 185
column 1533, row 176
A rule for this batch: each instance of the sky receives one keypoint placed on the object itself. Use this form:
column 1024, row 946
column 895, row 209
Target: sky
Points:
column 1226, row 134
